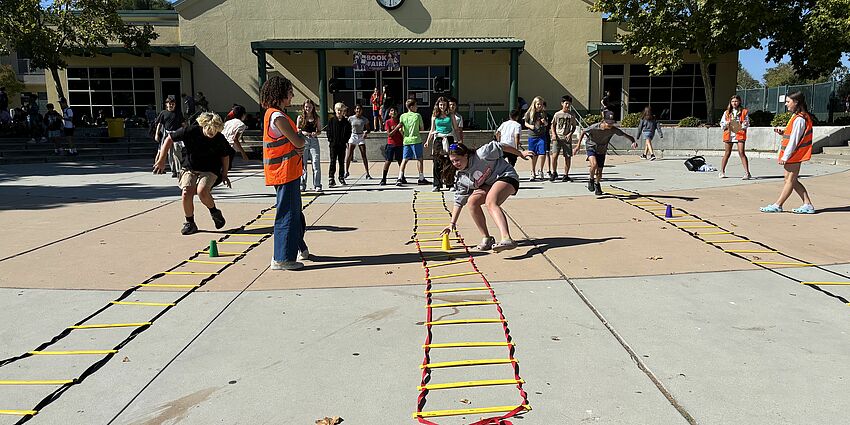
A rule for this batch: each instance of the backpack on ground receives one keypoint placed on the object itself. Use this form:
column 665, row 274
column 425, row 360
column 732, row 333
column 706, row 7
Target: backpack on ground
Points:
column 694, row 163
column 54, row 122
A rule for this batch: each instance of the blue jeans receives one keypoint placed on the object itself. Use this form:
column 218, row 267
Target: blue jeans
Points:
column 311, row 152
column 288, row 222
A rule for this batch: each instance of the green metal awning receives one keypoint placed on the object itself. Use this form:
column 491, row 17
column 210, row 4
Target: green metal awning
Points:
column 497, row 43
column 598, row 46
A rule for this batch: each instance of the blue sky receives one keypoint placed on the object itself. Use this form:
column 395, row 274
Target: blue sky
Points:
column 753, row 61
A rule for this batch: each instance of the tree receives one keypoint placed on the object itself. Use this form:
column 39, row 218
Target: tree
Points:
column 815, row 34
column 661, row 33
column 146, row 5
column 9, row 79
column 785, row 74
column 49, row 33
column 745, row 79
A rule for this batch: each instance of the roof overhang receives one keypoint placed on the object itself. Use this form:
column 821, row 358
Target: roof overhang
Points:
column 164, row 50
column 594, row 47
column 493, row 43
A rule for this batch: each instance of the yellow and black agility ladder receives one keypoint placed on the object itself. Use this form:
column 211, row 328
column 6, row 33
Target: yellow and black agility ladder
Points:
column 430, row 213
column 243, row 237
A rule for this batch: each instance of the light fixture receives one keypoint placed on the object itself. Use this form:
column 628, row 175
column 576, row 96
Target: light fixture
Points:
column 478, row 51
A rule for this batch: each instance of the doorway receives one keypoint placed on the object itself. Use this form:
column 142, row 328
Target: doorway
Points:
column 614, row 86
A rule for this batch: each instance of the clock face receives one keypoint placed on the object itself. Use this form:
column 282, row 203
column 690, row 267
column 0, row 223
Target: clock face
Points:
column 390, row 4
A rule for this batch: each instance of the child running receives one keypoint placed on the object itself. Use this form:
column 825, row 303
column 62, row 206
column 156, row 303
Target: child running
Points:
column 308, row 126
column 483, row 177
column 234, row 128
column 339, row 131
column 411, row 123
column 508, row 134
column 596, row 138
column 646, row 130
column 395, row 143
column 443, row 128
column 535, row 121
column 359, row 133
column 563, row 126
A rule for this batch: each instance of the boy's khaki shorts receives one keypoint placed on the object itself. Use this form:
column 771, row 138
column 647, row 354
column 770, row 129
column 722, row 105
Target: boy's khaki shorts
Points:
column 190, row 178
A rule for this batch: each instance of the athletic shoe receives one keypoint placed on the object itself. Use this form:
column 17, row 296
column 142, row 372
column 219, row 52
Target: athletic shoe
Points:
column 722, row 175
column 643, row 156
column 423, row 181
column 346, row 175
column 383, row 182
column 342, row 182
column 399, row 183
column 318, row 190
column 217, row 218
column 331, row 183
column 772, row 208
column 541, row 175
column 747, row 176
column 553, row 176
column 304, row 255
column 435, row 189
column 189, row 228
column 403, row 180
column 368, row 177
column 566, row 179
column 486, row 244
column 286, row 265
column 598, row 191
column 804, row 209
column 652, row 158
column 173, row 175
column 533, row 178
column 303, row 188
column 591, row 185
column 504, row 245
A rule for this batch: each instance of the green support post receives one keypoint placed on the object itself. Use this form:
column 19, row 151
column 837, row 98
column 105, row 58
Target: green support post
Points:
column 323, row 88
column 261, row 72
column 514, row 94
column 455, row 72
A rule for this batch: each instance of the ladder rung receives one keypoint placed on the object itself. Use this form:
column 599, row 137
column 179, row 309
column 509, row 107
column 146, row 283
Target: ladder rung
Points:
column 222, row 253
column 469, row 344
column 142, row 304
column 710, row 233
column 459, row 363
column 463, row 321
column 18, row 412
column 732, row 241
column 238, row 243
column 697, row 227
column 45, row 382
column 448, row 263
column 462, row 304
column 444, row 291
column 825, row 283
column 250, row 234
column 191, row 273
column 111, row 325
column 446, row 276
column 474, row 411
column 209, row 262
column 167, row 285
column 751, row 251
column 428, row 233
column 783, row 263
column 435, row 239
column 467, row 384
column 440, row 247
column 430, row 225
column 686, row 221
column 72, row 353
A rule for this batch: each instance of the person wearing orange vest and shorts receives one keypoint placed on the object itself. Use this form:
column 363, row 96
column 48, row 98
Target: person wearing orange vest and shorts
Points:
column 796, row 149
column 736, row 119
column 283, row 166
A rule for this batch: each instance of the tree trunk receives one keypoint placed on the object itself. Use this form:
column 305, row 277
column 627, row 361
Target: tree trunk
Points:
column 709, row 89
column 58, row 82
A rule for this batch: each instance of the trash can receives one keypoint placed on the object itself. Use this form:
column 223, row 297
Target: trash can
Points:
column 115, row 127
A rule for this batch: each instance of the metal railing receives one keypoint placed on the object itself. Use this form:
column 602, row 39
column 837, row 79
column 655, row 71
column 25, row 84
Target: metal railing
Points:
column 24, row 67
column 491, row 120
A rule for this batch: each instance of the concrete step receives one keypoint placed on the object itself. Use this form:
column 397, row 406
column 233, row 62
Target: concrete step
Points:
column 79, row 158
column 829, row 159
column 837, row 150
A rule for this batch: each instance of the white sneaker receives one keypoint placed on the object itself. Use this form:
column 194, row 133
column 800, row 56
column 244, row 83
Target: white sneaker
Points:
column 286, row 265
column 747, row 177
column 304, row 255
column 722, row 175
column 486, row 244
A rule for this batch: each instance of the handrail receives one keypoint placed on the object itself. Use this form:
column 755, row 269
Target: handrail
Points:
column 491, row 120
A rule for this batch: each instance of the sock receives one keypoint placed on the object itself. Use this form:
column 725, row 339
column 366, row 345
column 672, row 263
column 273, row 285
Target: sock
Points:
column 421, row 176
column 190, row 219
column 400, row 174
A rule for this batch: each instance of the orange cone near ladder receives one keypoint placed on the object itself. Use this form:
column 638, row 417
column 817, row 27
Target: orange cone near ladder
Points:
column 446, row 245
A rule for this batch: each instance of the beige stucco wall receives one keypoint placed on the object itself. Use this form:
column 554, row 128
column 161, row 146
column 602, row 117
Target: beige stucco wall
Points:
column 554, row 61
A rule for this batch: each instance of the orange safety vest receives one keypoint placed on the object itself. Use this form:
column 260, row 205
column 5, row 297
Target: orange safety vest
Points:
column 740, row 136
column 281, row 162
column 803, row 150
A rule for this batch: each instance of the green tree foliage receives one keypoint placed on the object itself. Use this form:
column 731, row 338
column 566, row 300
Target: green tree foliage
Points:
column 815, row 34
column 9, row 79
column 745, row 79
column 49, row 33
column 146, row 5
column 663, row 32
column 785, row 74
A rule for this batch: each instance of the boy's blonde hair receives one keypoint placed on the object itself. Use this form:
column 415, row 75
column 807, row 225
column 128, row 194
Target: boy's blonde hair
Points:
column 210, row 121
column 339, row 107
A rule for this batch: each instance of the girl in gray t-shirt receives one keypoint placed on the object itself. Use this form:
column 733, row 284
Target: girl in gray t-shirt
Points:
column 484, row 177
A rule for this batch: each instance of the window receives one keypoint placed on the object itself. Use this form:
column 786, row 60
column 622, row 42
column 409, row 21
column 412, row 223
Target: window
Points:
column 411, row 82
column 672, row 96
column 118, row 92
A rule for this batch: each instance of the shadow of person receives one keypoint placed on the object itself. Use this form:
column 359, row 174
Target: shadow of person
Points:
column 833, row 210
column 413, row 16
column 318, row 262
column 541, row 245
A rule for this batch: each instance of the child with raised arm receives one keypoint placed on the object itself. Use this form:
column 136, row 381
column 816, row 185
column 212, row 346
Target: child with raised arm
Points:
column 596, row 138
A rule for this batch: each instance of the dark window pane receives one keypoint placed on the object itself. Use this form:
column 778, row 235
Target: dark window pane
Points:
column 101, row 98
column 172, row 73
column 100, row 85
column 122, row 73
column 638, row 96
column 143, row 84
column 391, row 74
column 683, row 95
column 638, row 81
column 366, row 84
column 145, row 98
column 417, row 72
column 639, row 70
column 78, row 84
column 712, row 69
column 78, row 73
column 148, row 72
column 612, row 69
column 364, row 74
column 686, row 69
column 698, row 82
column 78, row 98
column 700, row 110
column 660, row 95
column 417, row 84
column 662, row 81
column 122, row 85
column 699, row 94
column 122, row 98
column 440, row 71
column 345, row 97
column 80, row 112
column 346, row 84
column 635, row 107
column 683, row 81
column 140, row 111
column 123, row 111
column 343, row 72
column 661, row 110
column 680, row 110
column 99, row 72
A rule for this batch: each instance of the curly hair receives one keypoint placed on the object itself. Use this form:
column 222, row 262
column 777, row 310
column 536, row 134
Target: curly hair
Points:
column 274, row 91
column 448, row 172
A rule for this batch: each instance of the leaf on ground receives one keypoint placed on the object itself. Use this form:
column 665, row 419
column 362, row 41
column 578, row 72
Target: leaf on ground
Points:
column 329, row 421
column 125, row 360
column 654, row 258
column 465, row 401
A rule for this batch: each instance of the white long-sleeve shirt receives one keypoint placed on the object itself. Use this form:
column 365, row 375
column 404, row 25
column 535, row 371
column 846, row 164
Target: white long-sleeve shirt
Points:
column 797, row 131
column 736, row 114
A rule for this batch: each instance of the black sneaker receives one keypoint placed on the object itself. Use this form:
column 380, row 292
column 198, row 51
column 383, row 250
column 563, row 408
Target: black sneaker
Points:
column 399, row 183
column 566, row 179
column 368, row 177
column 591, row 185
column 652, row 158
column 383, row 182
column 403, row 180
column 598, row 191
column 217, row 218
column 342, row 182
column 189, row 228
column 553, row 176
column 643, row 156
column 423, row 181
column 331, row 183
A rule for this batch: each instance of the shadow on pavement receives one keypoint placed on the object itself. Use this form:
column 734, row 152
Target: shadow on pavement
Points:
column 541, row 245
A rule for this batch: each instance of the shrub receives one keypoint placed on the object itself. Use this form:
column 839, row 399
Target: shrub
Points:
column 591, row 119
column 631, row 120
column 781, row 120
column 761, row 118
column 845, row 120
column 690, row 122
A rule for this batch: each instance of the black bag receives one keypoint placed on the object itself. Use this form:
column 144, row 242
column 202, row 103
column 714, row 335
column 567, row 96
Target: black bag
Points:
column 54, row 121
column 694, row 163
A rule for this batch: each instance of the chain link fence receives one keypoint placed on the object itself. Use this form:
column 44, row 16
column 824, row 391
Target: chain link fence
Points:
column 821, row 98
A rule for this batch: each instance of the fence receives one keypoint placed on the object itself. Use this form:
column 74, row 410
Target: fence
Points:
column 820, row 97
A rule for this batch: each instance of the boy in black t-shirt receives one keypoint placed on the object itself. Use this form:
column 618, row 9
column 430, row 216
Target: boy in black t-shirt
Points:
column 206, row 156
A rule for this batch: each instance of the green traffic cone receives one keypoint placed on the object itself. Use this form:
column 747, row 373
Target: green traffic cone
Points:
column 213, row 249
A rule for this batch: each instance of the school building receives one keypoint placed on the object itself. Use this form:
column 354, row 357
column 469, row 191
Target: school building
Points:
column 487, row 54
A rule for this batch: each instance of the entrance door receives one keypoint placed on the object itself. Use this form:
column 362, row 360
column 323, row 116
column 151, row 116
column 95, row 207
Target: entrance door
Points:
column 170, row 88
column 395, row 83
column 614, row 86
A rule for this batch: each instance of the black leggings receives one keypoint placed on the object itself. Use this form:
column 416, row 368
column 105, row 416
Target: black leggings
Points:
column 337, row 158
column 440, row 159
